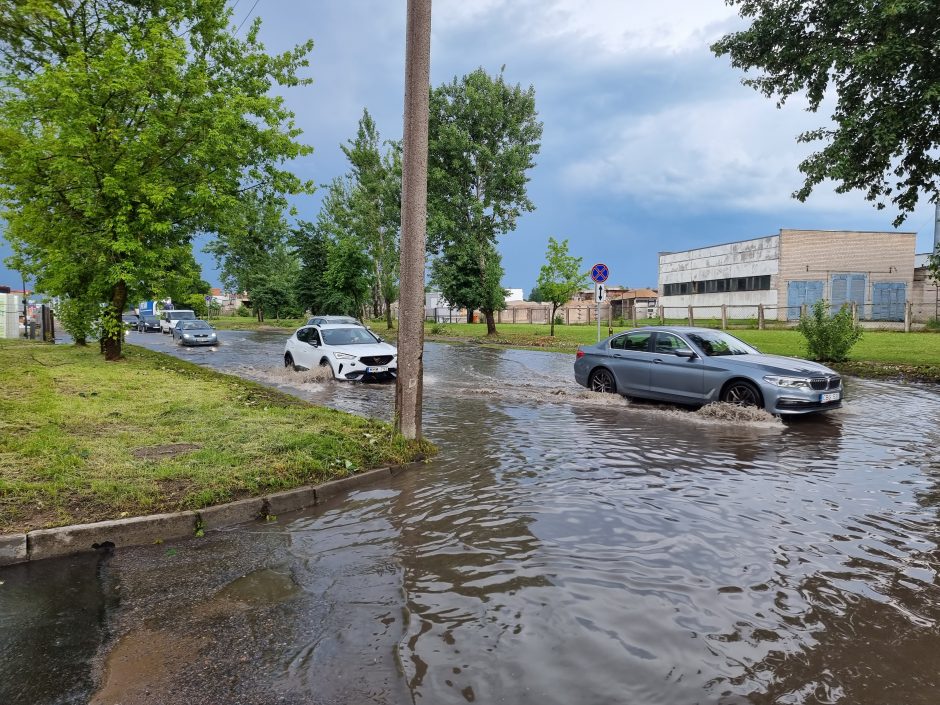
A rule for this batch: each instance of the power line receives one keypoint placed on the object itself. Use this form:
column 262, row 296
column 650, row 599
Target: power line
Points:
column 246, row 16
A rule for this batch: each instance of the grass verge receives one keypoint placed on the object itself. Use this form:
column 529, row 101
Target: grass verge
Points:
column 881, row 354
column 83, row 440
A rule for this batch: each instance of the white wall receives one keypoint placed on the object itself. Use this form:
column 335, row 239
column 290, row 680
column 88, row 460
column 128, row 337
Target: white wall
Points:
column 747, row 258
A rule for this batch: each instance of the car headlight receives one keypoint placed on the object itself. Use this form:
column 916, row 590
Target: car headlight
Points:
column 344, row 356
column 187, row 335
column 791, row 382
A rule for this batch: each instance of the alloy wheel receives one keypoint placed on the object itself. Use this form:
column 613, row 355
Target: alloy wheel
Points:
column 602, row 381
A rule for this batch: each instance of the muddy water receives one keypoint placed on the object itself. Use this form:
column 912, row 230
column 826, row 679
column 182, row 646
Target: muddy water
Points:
column 563, row 548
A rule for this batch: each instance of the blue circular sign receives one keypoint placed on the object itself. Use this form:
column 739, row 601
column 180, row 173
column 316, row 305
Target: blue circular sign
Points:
column 599, row 273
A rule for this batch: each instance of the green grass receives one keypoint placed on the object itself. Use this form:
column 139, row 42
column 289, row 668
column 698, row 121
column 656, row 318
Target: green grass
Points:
column 877, row 354
column 244, row 323
column 71, row 424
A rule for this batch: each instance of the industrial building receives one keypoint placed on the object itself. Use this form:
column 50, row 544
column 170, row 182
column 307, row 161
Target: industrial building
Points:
column 872, row 271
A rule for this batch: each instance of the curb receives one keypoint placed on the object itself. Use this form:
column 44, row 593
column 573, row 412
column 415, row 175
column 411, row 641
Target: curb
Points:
column 156, row 528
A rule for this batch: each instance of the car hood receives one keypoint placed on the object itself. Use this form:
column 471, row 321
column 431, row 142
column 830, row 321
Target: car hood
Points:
column 778, row 363
column 197, row 332
column 365, row 350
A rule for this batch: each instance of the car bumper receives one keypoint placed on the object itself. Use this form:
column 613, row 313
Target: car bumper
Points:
column 194, row 343
column 789, row 402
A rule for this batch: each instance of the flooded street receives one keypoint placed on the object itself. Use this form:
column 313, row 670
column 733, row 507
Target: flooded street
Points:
column 564, row 547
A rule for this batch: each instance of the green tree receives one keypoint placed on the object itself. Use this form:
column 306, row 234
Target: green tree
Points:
column 253, row 255
column 483, row 138
column 126, row 128
column 376, row 208
column 881, row 63
column 347, row 277
column 312, row 247
column 78, row 318
column 536, row 295
column 560, row 277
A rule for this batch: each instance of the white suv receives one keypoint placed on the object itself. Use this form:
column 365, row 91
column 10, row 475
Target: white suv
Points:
column 168, row 319
column 351, row 352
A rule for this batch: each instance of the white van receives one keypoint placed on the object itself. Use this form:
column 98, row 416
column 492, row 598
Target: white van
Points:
column 168, row 319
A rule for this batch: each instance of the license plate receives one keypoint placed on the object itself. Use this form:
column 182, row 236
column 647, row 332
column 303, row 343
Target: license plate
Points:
column 373, row 370
column 831, row 396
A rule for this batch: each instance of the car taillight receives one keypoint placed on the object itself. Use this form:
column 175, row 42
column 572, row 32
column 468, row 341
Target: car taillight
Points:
column 580, row 353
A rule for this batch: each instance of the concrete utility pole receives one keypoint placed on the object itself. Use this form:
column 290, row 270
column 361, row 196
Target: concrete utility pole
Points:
column 414, row 207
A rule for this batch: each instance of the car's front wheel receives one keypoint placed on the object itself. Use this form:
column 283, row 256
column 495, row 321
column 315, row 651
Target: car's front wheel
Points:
column 289, row 361
column 602, row 381
column 742, row 393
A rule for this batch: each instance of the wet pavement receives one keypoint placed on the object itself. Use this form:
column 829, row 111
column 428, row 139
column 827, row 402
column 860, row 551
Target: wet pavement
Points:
column 563, row 548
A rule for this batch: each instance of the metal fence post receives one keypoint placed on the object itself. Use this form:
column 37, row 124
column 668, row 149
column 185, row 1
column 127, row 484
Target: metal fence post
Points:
column 724, row 316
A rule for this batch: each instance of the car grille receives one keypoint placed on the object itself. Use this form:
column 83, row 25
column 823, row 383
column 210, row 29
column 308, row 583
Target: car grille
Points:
column 376, row 360
column 821, row 383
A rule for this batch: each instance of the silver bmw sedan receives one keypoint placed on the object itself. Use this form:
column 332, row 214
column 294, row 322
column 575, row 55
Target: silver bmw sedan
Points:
column 701, row 365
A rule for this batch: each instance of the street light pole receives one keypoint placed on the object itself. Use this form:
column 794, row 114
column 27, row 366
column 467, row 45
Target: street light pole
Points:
column 414, row 206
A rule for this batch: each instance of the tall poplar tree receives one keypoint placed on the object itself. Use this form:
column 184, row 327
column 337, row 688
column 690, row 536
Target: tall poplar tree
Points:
column 483, row 138
column 128, row 127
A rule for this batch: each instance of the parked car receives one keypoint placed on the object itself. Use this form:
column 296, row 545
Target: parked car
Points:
column 148, row 323
column 169, row 318
column 195, row 333
column 352, row 352
column 701, row 365
column 130, row 320
column 326, row 320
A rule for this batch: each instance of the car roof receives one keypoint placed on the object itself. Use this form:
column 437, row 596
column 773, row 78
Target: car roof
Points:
column 678, row 329
column 336, row 326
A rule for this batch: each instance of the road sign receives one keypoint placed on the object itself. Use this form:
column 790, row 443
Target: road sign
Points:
column 600, row 293
column 599, row 273
column 208, row 300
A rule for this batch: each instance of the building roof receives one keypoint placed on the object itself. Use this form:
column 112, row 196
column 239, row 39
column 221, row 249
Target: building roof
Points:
column 788, row 230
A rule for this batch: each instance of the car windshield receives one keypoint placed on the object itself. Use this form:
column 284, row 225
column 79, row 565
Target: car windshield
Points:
column 183, row 316
column 715, row 343
column 344, row 320
column 129, row 317
column 348, row 336
column 194, row 325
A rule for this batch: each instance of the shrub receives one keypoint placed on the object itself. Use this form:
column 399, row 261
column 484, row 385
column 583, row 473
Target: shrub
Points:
column 78, row 318
column 933, row 325
column 559, row 320
column 438, row 329
column 829, row 337
column 243, row 311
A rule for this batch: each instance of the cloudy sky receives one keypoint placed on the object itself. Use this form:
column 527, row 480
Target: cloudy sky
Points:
column 650, row 142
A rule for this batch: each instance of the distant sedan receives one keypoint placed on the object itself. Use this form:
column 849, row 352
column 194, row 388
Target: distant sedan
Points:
column 701, row 365
column 194, row 333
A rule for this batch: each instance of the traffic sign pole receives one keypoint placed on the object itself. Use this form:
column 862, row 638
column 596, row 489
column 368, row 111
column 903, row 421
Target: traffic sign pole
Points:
column 599, row 274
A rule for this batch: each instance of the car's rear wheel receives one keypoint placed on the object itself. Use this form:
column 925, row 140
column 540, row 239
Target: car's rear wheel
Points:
column 602, row 381
column 742, row 393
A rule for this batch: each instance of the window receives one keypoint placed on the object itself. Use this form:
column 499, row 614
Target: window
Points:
column 718, row 286
column 669, row 343
column 637, row 342
column 303, row 335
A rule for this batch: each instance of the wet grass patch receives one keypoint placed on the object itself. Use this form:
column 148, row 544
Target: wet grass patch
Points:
column 83, row 440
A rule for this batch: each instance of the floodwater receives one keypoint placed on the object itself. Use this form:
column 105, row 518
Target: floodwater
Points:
column 563, row 548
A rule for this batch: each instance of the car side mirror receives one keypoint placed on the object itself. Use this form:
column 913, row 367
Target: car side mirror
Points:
column 313, row 343
column 685, row 352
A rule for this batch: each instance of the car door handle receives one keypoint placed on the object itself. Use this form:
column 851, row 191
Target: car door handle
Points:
column 657, row 361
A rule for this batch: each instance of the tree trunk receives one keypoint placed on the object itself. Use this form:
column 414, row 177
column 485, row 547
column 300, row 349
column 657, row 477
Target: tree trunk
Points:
column 554, row 309
column 81, row 342
column 115, row 330
column 469, row 315
column 388, row 314
column 490, row 323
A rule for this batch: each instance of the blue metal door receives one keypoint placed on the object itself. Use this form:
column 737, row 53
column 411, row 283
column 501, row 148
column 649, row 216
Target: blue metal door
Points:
column 888, row 299
column 802, row 292
column 846, row 289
